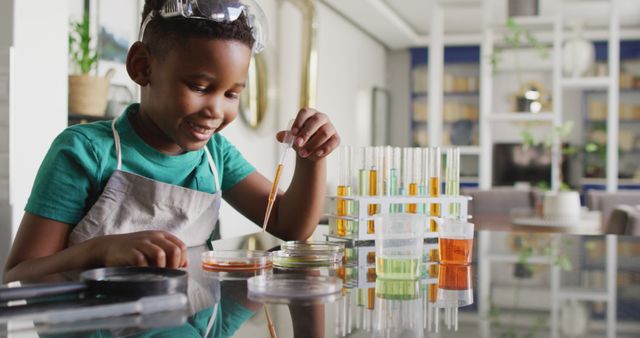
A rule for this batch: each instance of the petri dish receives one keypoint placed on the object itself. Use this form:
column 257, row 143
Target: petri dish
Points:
column 294, row 288
column 310, row 247
column 235, row 260
column 289, row 259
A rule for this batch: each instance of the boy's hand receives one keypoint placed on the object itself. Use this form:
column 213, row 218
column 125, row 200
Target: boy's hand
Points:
column 145, row 248
column 315, row 135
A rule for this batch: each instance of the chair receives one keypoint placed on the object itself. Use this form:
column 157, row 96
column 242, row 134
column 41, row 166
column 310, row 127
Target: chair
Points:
column 606, row 202
column 495, row 205
column 624, row 220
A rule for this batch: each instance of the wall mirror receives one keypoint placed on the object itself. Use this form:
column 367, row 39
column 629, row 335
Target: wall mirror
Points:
column 253, row 100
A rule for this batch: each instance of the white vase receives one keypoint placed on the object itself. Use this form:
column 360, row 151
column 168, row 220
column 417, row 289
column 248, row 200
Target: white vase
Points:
column 578, row 55
column 574, row 318
column 562, row 205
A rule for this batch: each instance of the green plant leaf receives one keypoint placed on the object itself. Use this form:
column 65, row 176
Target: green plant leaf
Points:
column 83, row 56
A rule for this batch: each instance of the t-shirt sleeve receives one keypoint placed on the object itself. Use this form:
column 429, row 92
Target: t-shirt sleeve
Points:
column 64, row 181
column 235, row 167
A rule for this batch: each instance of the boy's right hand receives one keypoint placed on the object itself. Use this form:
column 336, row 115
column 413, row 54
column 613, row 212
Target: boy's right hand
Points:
column 145, row 248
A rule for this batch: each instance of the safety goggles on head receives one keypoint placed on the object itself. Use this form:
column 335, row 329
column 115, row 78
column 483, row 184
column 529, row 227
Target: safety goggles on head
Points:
column 218, row 11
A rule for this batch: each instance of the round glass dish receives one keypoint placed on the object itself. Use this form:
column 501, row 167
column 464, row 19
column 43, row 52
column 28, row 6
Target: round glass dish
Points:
column 310, row 247
column 294, row 288
column 235, row 260
column 290, row 259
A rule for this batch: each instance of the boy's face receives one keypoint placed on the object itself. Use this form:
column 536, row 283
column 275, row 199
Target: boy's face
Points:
column 194, row 91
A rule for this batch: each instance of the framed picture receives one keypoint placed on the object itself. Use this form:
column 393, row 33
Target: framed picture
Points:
column 116, row 23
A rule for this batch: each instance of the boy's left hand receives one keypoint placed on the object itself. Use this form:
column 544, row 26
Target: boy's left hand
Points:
column 315, row 135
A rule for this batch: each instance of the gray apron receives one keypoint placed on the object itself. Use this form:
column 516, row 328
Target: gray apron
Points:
column 131, row 203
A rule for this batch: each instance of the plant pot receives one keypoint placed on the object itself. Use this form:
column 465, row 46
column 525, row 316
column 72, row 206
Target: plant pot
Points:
column 88, row 94
column 522, row 270
column 523, row 8
column 561, row 205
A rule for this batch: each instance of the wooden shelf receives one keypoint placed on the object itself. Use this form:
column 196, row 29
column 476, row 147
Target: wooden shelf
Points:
column 601, row 82
column 522, row 117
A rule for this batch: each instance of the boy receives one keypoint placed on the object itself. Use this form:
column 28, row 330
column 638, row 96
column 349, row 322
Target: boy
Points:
column 143, row 188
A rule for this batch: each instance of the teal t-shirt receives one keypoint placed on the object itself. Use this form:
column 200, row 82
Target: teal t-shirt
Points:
column 81, row 159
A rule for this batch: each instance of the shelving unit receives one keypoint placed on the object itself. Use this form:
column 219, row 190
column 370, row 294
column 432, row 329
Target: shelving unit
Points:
column 553, row 119
column 595, row 122
column 460, row 96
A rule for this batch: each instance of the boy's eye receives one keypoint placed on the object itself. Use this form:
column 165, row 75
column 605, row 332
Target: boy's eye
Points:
column 232, row 95
column 197, row 88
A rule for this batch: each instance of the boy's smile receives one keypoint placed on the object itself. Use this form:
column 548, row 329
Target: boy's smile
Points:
column 192, row 92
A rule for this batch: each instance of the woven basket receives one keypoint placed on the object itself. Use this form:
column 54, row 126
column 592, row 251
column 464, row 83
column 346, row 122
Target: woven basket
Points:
column 88, row 94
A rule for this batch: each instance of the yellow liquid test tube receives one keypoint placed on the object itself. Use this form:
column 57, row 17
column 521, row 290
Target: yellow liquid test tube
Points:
column 373, row 191
column 373, row 158
column 412, row 208
column 344, row 189
column 434, row 186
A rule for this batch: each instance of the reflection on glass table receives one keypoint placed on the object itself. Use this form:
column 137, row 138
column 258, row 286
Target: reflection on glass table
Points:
column 519, row 284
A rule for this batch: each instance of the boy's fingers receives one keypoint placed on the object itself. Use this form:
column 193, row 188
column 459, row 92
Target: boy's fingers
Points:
column 319, row 138
column 311, row 125
column 138, row 258
column 180, row 244
column 175, row 240
column 172, row 251
column 302, row 116
column 155, row 254
column 326, row 148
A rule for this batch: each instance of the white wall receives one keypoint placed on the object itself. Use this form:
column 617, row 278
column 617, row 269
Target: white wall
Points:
column 350, row 64
column 398, row 71
column 6, row 40
column 38, row 109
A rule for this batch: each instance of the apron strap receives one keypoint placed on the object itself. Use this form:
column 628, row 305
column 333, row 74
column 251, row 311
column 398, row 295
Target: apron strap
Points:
column 212, row 165
column 116, row 137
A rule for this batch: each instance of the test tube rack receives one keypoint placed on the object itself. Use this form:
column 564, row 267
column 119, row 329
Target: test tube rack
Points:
column 360, row 212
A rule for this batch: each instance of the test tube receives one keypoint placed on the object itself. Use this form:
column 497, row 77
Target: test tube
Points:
column 395, row 172
column 432, row 298
column 373, row 185
column 452, row 184
column 363, row 173
column 386, row 169
column 424, row 178
column 406, row 174
column 344, row 189
column 412, row 208
column 434, row 186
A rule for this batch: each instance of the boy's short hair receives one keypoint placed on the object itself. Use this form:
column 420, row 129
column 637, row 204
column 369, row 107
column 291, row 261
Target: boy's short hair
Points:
column 163, row 33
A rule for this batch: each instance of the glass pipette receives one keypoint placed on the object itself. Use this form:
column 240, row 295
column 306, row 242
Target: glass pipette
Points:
column 288, row 143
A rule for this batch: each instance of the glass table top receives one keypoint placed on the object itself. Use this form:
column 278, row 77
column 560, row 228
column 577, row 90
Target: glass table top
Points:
column 520, row 284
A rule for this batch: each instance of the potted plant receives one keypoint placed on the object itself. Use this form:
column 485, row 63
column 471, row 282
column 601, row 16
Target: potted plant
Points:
column 87, row 93
column 564, row 203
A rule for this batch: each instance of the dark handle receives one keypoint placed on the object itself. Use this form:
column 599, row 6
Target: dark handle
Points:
column 39, row 290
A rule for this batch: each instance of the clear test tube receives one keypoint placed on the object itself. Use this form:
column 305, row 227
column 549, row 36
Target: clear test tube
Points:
column 344, row 189
column 424, row 179
column 379, row 156
column 406, row 174
column 373, row 185
column 453, row 179
column 395, row 177
column 363, row 172
column 386, row 169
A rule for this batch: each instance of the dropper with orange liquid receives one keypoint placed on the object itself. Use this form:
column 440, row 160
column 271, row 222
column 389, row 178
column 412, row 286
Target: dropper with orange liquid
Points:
column 288, row 143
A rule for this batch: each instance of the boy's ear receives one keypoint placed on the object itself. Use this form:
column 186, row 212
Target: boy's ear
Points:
column 139, row 63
